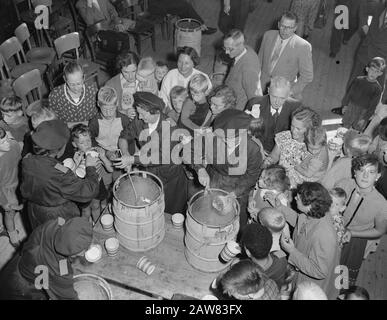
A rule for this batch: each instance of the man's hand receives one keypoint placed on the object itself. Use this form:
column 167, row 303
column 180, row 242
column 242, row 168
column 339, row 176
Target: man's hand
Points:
column 287, row 243
column 203, row 177
column 131, row 113
column 226, row 7
column 347, row 236
column 123, row 162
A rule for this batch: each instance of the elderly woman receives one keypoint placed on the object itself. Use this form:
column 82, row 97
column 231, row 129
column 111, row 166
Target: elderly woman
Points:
column 366, row 216
column 125, row 82
column 52, row 190
column 290, row 148
column 154, row 143
column 46, row 255
column 314, row 250
column 187, row 60
column 75, row 101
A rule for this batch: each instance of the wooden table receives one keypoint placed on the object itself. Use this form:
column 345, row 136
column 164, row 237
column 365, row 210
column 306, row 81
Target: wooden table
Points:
column 172, row 275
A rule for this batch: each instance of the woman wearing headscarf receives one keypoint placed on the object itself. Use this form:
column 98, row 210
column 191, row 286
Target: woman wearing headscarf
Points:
column 43, row 268
column 51, row 189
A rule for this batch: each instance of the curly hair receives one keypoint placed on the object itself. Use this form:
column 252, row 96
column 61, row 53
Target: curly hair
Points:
column 12, row 103
column 244, row 277
column 307, row 116
column 125, row 59
column 191, row 52
column 315, row 195
column 363, row 160
column 277, row 178
column 316, row 136
column 226, row 93
column 78, row 130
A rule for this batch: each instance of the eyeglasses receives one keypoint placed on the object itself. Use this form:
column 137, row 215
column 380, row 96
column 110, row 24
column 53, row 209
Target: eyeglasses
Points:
column 76, row 84
column 229, row 49
column 281, row 26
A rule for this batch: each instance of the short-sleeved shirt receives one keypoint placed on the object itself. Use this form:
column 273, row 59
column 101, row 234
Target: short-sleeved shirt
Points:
column 70, row 111
column 374, row 205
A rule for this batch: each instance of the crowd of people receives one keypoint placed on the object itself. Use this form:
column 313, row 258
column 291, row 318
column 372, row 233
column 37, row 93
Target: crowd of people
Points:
column 309, row 207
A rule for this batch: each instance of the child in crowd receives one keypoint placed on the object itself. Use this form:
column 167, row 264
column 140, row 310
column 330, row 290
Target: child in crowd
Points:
column 336, row 210
column 196, row 109
column 81, row 140
column 315, row 164
column 14, row 121
column 355, row 144
column 178, row 95
column 160, row 72
column 356, row 293
column 146, row 76
column 109, row 129
column 10, row 155
column 275, row 221
column 245, row 281
column 273, row 180
column 363, row 95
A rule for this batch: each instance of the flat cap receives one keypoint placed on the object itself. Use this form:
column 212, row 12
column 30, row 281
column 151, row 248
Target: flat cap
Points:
column 51, row 135
column 149, row 100
column 232, row 119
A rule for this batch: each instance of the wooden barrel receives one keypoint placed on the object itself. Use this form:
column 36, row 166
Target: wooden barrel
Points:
column 188, row 33
column 207, row 232
column 140, row 225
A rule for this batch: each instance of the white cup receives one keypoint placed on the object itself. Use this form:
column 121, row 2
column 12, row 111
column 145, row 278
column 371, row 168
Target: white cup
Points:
column 145, row 265
column 230, row 250
column 107, row 222
column 178, row 220
column 112, row 245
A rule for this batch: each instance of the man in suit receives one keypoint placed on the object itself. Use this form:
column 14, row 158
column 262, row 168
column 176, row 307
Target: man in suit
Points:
column 373, row 45
column 243, row 76
column 275, row 109
column 283, row 53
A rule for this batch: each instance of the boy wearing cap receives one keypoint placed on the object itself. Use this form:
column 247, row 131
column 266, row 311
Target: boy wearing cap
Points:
column 53, row 245
column 50, row 188
column 149, row 125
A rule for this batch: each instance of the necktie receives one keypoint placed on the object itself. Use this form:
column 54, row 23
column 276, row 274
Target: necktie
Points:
column 276, row 55
column 275, row 116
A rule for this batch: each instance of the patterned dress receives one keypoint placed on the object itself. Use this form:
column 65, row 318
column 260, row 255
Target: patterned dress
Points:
column 292, row 153
column 70, row 111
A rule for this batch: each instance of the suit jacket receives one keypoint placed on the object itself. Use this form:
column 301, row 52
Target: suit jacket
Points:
column 271, row 127
column 243, row 78
column 92, row 15
column 295, row 62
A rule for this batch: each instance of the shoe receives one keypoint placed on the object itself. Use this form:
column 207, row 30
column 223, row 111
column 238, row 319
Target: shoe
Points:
column 332, row 55
column 338, row 111
column 209, row 31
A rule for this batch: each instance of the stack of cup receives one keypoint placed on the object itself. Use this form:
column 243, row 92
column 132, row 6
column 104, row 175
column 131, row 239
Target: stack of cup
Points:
column 145, row 265
column 107, row 222
column 230, row 250
column 178, row 220
column 112, row 245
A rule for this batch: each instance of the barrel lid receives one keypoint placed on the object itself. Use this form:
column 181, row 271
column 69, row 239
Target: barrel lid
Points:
column 201, row 209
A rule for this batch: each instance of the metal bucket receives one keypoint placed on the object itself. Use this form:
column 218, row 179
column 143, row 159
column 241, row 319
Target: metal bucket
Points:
column 188, row 33
column 207, row 232
column 92, row 287
column 140, row 226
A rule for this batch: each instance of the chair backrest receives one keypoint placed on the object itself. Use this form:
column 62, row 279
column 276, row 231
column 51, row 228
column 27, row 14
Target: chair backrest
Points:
column 13, row 48
column 23, row 35
column 4, row 70
column 16, row 4
column 67, row 43
column 28, row 87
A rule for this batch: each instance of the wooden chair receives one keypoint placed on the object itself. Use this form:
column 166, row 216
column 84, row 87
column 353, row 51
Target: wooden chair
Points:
column 69, row 43
column 4, row 70
column 13, row 48
column 106, row 44
column 28, row 87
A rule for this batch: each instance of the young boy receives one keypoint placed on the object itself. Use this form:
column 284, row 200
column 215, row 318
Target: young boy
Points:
column 10, row 155
column 363, row 95
column 81, row 140
column 337, row 208
column 160, row 72
column 196, row 109
column 178, row 95
column 146, row 76
column 109, row 128
column 14, row 121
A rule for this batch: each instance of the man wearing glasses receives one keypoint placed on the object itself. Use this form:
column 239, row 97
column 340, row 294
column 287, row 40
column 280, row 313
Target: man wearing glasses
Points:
column 285, row 54
column 243, row 76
